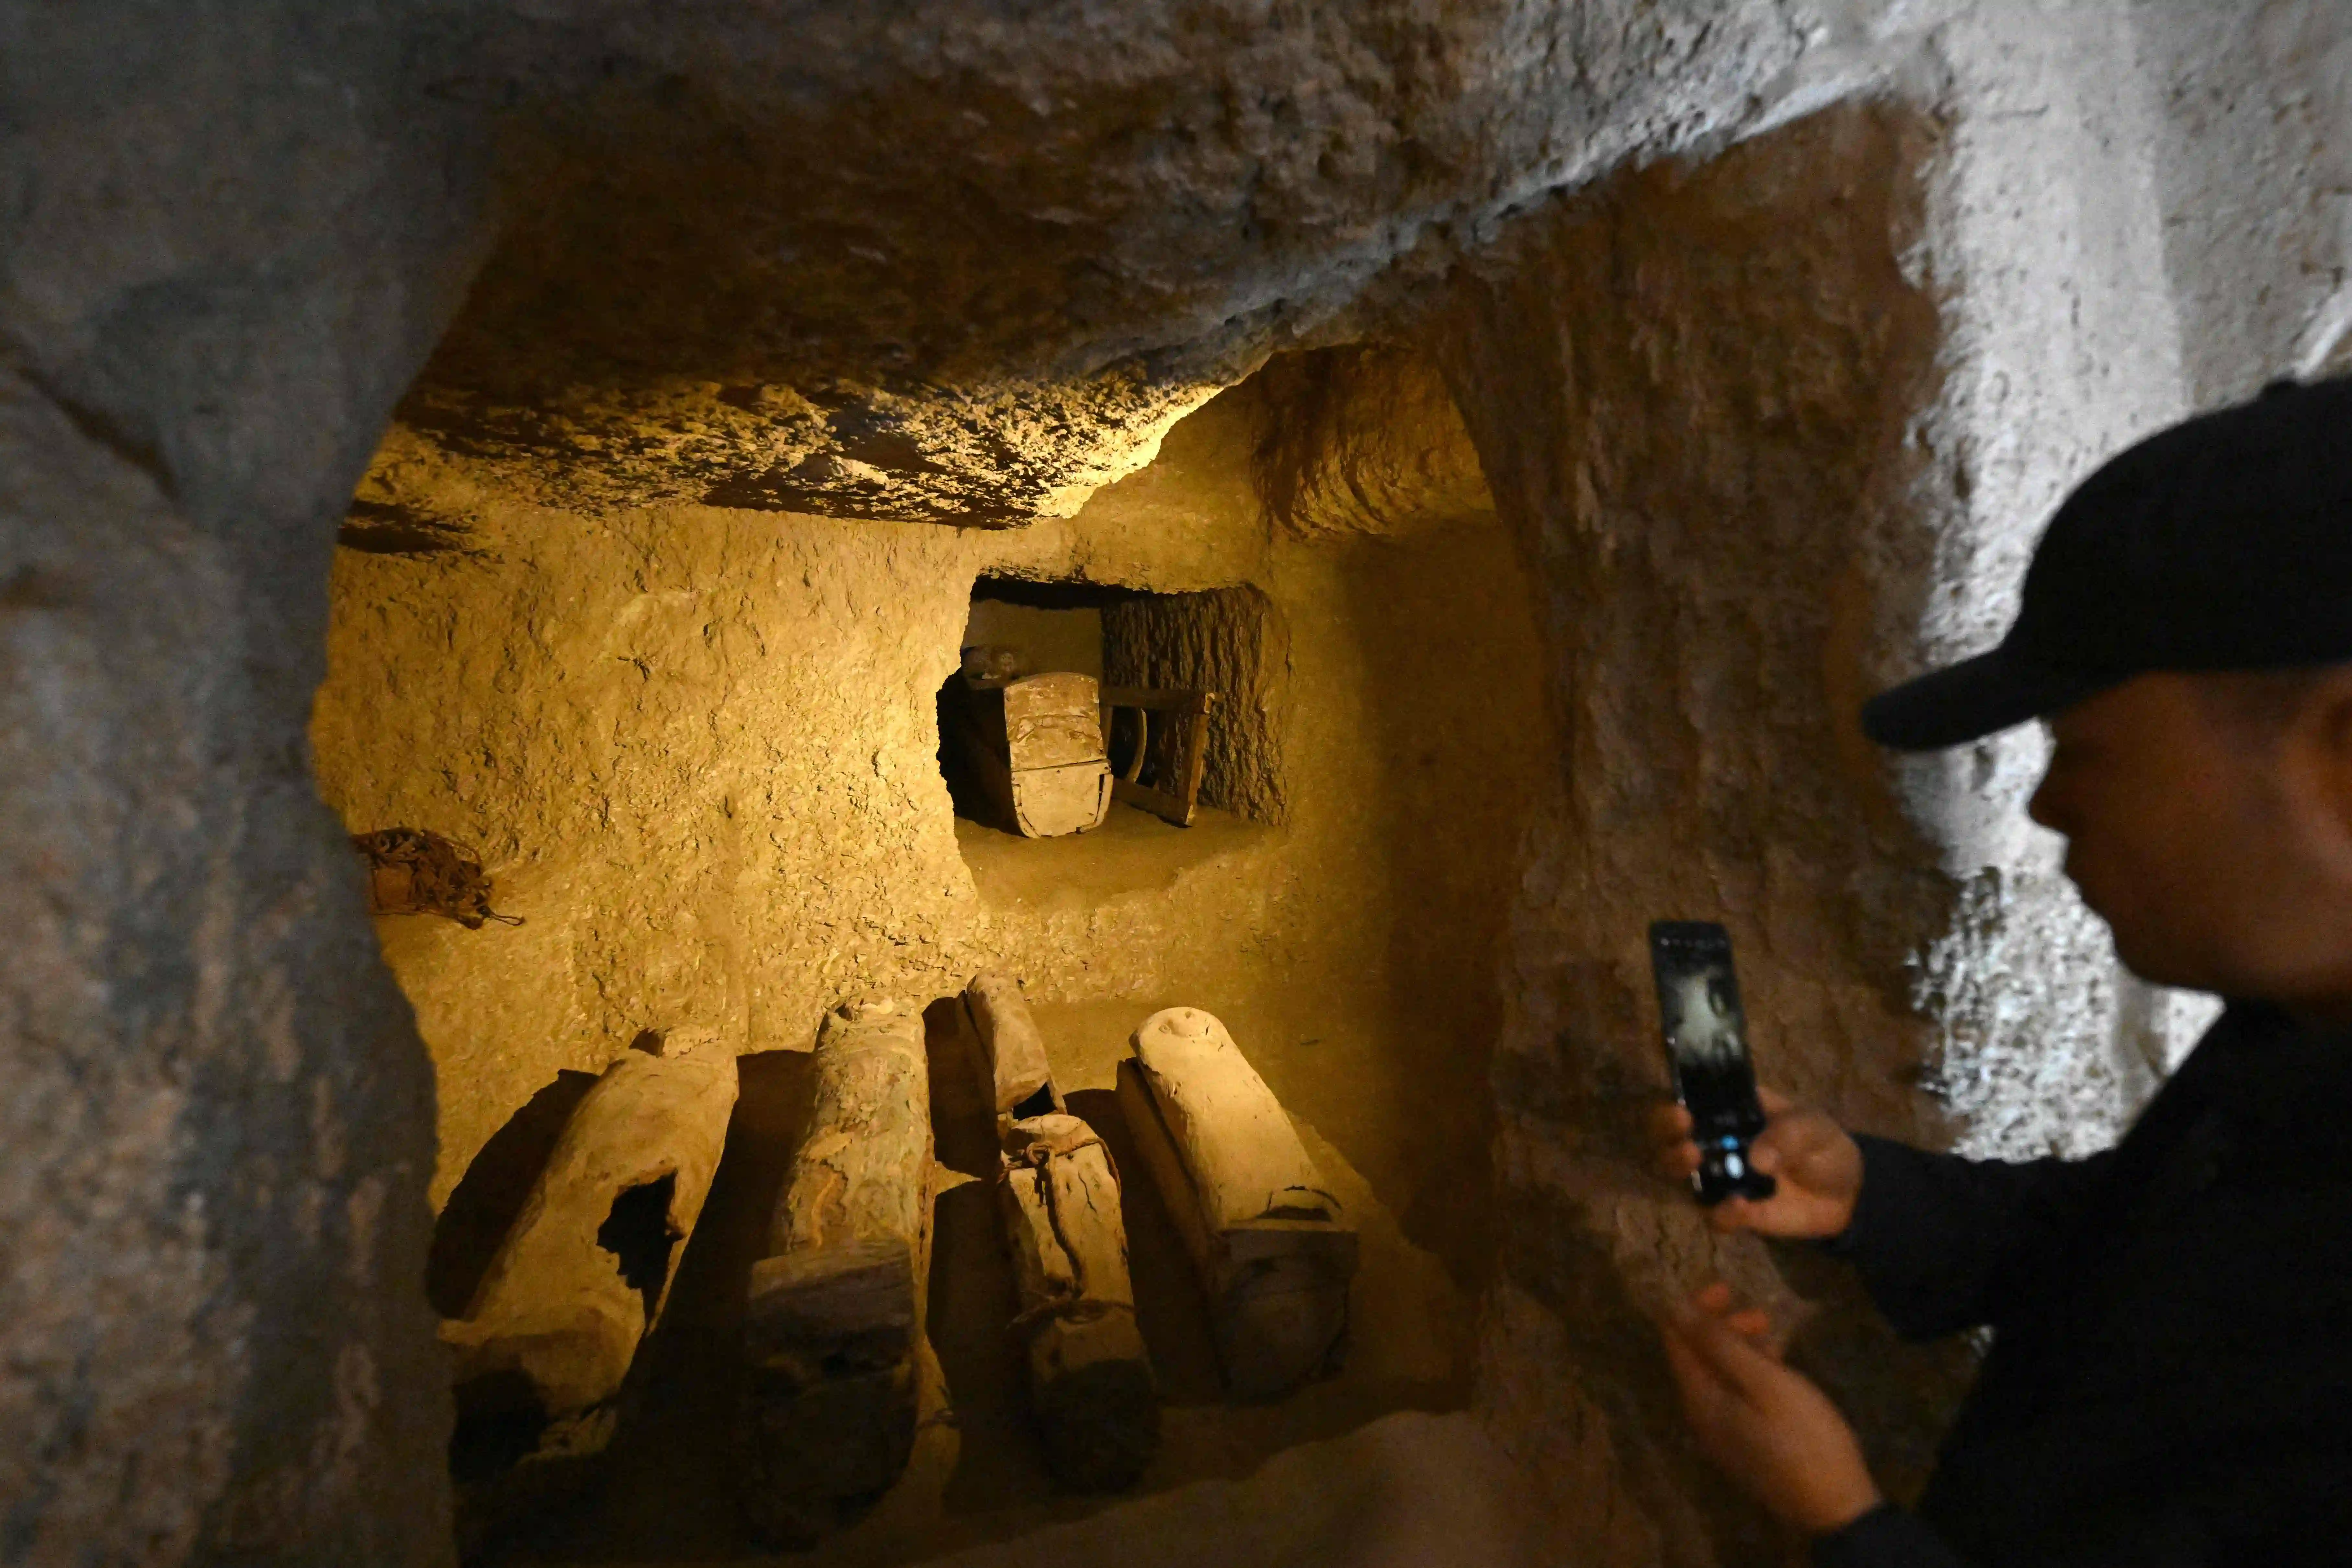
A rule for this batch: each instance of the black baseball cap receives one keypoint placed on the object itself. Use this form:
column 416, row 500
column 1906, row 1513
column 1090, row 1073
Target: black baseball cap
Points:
column 2222, row 543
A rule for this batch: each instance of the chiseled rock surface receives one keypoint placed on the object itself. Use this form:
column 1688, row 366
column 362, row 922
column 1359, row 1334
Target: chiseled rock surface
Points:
column 1363, row 439
column 218, row 1124
column 945, row 261
column 230, row 241
column 1691, row 390
column 1780, row 429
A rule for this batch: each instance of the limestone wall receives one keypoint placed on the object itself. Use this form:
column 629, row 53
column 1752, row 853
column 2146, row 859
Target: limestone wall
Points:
column 2252, row 158
column 227, row 252
column 1693, row 392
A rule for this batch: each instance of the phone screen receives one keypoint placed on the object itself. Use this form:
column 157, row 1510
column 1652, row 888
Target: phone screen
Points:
column 1706, row 1047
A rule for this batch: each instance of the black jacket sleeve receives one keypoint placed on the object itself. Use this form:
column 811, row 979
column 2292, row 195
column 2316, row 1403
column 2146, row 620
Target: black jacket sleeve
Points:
column 1945, row 1244
column 1885, row 1537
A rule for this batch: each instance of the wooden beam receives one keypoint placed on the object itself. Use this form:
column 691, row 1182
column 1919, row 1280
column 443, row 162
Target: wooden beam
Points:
column 1175, row 797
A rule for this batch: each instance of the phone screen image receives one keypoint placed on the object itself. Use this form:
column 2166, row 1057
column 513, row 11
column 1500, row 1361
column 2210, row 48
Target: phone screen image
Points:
column 1706, row 1047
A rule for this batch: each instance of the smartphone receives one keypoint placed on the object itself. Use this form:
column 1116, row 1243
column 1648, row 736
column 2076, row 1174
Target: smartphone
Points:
column 1706, row 1047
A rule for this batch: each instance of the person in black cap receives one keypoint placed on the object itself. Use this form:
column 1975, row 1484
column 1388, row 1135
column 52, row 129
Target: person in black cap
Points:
column 2170, row 1376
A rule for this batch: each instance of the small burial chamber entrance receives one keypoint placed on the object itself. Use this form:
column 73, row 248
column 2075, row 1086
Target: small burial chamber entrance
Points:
column 1050, row 725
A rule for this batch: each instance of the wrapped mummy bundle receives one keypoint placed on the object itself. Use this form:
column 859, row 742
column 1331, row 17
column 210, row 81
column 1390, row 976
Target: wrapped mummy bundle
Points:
column 1090, row 1383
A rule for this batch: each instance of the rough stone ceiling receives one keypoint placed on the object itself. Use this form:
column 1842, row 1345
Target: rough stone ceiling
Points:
column 958, row 262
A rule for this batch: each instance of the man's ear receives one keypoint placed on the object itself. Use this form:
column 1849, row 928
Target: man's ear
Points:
column 2317, row 758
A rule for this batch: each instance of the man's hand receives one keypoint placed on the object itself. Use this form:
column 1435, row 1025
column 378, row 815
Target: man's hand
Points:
column 1817, row 1170
column 1770, row 1428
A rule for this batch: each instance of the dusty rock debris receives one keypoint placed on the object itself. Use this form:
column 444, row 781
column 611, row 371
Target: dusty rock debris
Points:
column 414, row 871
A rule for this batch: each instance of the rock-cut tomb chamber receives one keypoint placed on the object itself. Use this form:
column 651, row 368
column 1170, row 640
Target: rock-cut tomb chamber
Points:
column 596, row 440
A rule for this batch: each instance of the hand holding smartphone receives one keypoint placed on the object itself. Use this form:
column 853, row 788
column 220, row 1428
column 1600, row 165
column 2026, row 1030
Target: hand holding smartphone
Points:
column 1706, row 1031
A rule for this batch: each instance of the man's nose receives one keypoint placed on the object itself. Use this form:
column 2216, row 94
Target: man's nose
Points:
column 2046, row 807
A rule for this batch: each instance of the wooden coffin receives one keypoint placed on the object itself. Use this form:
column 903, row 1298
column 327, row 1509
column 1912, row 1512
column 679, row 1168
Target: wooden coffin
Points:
column 1273, row 1251
column 833, row 1320
column 583, row 1273
column 1090, row 1384
column 1011, row 1062
column 1028, row 753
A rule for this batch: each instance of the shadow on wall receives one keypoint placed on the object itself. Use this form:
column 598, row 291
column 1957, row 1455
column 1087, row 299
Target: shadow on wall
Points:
column 483, row 1207
column 1461, row 776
